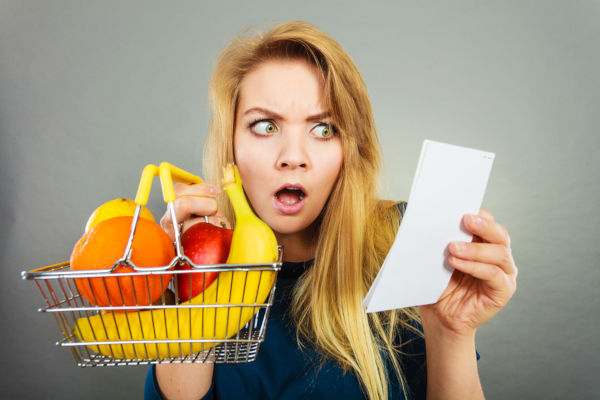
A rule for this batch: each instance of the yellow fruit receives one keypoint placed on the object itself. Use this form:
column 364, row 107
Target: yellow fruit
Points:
column 116, row 208
column 158, row 324
column 253, row 242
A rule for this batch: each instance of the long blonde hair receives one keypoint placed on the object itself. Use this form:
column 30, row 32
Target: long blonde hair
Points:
column 356, row 229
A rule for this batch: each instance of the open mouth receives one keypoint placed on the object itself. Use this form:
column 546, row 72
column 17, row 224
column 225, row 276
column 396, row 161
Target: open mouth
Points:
column 290, row 196
column 290, row 199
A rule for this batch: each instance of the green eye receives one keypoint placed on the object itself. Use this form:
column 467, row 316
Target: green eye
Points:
column 264, row 127
column 323, row 131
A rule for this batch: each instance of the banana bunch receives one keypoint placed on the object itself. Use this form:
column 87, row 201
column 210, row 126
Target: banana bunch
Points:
column 253, row 242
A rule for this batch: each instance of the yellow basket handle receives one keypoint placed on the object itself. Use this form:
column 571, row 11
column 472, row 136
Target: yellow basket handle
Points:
column 143, row 192
column 167, row 173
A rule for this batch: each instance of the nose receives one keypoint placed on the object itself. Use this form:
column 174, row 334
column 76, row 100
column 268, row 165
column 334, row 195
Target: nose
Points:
column 293, row 153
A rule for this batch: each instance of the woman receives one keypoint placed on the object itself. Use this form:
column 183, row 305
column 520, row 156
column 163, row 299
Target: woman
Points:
column 291, row 110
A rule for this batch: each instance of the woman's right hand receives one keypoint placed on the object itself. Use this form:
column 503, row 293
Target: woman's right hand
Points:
column 192, row 204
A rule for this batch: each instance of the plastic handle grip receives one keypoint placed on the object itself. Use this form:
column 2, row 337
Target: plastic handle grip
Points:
column 143, row 192
column 168, row 173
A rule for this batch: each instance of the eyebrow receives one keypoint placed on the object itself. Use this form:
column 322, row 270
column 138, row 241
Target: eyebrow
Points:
column 274, row 115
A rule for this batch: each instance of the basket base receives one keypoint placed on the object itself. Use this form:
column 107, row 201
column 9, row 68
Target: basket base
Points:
column 241, row 349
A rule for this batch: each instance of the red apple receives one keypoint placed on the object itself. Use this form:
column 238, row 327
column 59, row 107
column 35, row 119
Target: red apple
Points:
column 203, row 243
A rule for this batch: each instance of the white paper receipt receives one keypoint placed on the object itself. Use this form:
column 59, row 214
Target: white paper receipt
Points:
column 450, row 182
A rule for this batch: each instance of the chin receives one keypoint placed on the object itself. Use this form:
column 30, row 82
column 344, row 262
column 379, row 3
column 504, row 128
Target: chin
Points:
column 288, row 226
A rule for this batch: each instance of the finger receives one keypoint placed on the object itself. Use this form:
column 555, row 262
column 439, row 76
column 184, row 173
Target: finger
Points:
column 486, row 229
column 190, row 206
column 196, row 189
column 491, row 274
column 486, row 213
column 186, row 207
column 488, row 253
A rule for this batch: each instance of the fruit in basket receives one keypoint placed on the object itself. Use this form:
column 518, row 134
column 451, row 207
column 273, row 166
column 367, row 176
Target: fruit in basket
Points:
column 253, row 242
column 120, row 207
column 104, row 244
column 203, row 243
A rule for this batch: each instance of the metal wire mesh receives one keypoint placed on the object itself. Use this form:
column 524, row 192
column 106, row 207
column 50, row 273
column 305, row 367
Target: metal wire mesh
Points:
column 103, row 326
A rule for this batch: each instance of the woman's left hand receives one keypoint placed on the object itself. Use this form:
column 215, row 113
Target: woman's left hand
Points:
column 484, row 279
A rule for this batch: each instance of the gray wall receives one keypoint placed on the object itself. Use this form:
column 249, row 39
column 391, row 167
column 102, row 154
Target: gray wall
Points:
column 90, row 92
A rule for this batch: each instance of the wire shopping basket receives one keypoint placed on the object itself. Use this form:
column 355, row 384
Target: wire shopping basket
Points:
column 225, row 323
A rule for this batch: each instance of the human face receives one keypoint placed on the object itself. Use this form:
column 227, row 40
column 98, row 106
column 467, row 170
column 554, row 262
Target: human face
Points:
column 286, row 148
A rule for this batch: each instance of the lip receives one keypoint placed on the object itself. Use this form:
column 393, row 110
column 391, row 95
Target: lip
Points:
column 290, row 209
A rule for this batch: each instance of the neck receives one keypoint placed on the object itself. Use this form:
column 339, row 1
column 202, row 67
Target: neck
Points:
column 299, row 246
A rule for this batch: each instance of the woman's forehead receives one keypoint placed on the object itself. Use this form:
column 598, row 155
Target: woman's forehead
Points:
column 282, row 86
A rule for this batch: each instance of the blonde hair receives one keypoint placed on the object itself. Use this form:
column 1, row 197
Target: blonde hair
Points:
column 356, row 229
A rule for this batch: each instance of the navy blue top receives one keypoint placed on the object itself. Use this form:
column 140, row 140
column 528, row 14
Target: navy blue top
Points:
column 283, row 371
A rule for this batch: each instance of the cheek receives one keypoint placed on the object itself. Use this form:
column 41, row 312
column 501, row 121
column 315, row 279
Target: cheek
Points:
column 329, row 168
column 331, row 164
column 249, row 171
column 245, row 158
column 253, row 167
column 330, row 179
column 238, row 146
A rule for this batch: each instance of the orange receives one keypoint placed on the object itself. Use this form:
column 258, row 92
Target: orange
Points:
column 104, row 244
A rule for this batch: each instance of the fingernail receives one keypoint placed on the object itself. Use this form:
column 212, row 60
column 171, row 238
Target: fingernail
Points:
column 475, row 220
column 214, row 190
column 456, row 260
column 459, row 247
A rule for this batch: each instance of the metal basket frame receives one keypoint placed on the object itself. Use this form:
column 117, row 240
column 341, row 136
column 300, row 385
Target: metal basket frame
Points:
column 57, row 284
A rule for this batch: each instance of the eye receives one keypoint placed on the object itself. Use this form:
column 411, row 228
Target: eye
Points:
column 324, row 131
column 264, row 127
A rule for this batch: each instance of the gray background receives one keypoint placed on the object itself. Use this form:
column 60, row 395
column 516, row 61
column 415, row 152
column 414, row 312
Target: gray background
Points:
column 90, row 92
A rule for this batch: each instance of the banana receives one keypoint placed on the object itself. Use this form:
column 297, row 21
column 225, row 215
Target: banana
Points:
column 235, row 293
column 253, row 241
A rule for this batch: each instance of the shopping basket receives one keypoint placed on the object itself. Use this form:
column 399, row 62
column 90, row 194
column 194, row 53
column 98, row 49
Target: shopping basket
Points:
column 202, row 330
